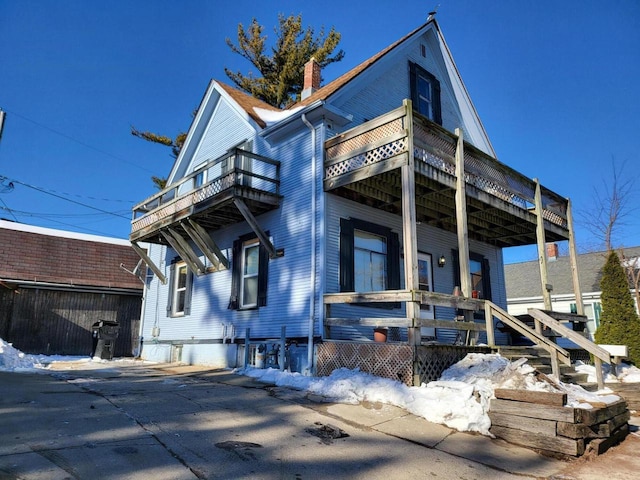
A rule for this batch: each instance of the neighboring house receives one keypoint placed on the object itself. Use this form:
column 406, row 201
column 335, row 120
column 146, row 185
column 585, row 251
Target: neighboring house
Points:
column 524, row 286
column 54, row 285
column 275, row 219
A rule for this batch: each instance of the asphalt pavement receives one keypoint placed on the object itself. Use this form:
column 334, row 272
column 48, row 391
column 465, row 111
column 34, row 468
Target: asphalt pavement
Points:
column 141, row 421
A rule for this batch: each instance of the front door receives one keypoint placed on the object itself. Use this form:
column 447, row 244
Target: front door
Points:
column 425, row 280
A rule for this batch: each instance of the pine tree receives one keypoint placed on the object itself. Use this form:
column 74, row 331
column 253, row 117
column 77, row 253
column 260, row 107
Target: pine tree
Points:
column 619, row 323
column 282, row 71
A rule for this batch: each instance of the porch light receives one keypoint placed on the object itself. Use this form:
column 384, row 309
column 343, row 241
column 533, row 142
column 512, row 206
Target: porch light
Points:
column 442, row 261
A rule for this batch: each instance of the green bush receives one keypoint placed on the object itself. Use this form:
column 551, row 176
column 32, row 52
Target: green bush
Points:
column 619, row 323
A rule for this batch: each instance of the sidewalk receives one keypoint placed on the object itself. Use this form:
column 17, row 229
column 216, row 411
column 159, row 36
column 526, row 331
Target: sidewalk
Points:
column 167, row 421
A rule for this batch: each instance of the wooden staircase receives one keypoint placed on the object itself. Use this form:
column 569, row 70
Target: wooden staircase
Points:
column 540, row 359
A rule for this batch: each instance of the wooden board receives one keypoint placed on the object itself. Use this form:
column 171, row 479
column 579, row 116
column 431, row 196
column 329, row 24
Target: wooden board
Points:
column 563, row 445
column 531, row 410
column 601, row 430
column 601, row 445
column 600, row 415
column 545, row 398
column 533, row 425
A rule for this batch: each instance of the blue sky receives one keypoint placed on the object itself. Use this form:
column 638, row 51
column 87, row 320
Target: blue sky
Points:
column 555, row 84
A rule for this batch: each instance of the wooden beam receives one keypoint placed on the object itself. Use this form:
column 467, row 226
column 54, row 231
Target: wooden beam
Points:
column 409, row 233
column 205, row 243
column 542, row 249
column 255, row 226
column 461, row 218
column 184, row 250
column 573, row 259
column 154, row 268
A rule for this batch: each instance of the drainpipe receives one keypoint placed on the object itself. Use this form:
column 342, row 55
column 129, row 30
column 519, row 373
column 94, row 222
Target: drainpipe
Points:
column 312, row 283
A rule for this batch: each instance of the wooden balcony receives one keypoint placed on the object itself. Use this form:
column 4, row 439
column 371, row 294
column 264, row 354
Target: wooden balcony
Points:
column 236, row 187
column 209, row 197
column 363, row 164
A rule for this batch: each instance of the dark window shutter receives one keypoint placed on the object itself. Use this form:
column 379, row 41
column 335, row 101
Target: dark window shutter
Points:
column 236, row 274
column 437, row 111
column 263, row 275
column 172, row 284
column 346, row 256
column 486, row 279
column 187, row 293
column 393, row 262
column 455, row 260
column 413, row 81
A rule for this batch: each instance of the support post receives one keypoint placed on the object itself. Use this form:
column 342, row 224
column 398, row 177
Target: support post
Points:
column 410, row 239
column 599, row 377
column 255, row 226
column 283, row 345
column 247, row 341
column 462, row 227
column 488, row 317
column 542, row 250
column 154, row 268
column 573, row 259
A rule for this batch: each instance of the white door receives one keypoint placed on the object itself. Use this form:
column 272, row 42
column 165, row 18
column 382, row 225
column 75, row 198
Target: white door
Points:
column 425, row 280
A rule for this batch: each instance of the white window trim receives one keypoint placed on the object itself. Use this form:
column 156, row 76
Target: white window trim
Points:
column 177, row 289
column 245, row 246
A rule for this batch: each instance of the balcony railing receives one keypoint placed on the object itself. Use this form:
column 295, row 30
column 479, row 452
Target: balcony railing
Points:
column 380, row 146
column 239, row 173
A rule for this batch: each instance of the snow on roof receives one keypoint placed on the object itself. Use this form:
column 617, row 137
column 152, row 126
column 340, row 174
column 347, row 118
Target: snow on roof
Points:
column 271, row 117
column 21, row 227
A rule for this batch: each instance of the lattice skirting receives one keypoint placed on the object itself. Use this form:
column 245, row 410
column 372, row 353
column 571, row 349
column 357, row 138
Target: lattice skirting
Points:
column 389, row 360
column 435, row 359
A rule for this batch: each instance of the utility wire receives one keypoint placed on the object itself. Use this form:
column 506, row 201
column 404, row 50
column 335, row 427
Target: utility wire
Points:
column 69, row 200
column 6, row 207
column 68, row 137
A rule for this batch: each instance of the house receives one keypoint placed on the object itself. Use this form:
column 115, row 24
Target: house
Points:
column 524, row 292
column 54, row 285
column 306, row 229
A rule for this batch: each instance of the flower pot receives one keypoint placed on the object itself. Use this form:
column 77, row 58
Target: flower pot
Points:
column 380, row 335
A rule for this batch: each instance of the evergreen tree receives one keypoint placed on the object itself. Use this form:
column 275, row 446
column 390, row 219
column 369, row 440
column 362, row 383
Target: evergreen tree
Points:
column 619, row 323
column 281, row 70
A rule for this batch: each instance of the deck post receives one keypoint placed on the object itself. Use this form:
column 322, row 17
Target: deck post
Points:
column 410, row 239
column 573, row 259
column 488, row 316
column 542, row 251
column 461, row 224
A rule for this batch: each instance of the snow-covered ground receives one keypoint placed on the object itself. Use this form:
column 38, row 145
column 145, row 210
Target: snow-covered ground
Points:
column 459, row 400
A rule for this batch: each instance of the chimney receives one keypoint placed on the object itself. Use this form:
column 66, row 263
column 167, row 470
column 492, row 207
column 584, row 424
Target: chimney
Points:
column 311, row 78
column 552, row 251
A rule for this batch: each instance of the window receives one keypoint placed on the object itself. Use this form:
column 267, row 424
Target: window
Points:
column 425, row 93
column 201, row 176
column 369, row 257
column 249, row 273
column 249, row 285
column 479, row 271
column 180, row 284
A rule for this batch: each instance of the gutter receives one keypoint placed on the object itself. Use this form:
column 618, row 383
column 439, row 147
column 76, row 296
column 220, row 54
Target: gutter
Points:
column 314, row 208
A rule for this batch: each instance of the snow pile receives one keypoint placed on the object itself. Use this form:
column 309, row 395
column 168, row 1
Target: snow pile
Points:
column 625, row 373
column 459, row 399
column 271, row 117
column 13, row 360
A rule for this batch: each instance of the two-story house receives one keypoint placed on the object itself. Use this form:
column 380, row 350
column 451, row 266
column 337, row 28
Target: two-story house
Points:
column 367, row 204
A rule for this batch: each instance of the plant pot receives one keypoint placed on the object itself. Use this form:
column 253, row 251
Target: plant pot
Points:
column 380, row 335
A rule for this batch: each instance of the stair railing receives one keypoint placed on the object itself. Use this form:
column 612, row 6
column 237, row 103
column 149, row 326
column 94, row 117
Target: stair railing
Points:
column 599, row 354
column 557, row 353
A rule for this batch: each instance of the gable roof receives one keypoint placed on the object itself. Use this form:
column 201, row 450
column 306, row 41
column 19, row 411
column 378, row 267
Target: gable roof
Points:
column 523, row 279
column 248, row 103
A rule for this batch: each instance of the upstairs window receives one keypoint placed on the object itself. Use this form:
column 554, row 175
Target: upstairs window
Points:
column 180, row 283
column 425, row 93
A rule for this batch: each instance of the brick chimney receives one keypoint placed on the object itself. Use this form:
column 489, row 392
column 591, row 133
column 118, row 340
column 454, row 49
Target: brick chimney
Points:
column 552, row 251
column 311, row 78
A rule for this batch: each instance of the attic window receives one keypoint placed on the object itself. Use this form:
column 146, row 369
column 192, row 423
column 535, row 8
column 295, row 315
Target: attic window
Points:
column 423, row 50
column 425, row 93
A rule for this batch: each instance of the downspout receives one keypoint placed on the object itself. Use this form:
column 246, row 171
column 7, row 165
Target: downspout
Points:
column 312, row 283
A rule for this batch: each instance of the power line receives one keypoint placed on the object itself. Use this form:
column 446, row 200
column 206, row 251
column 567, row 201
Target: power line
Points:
column 66, row 199
column 79, row 142
column 6, row 207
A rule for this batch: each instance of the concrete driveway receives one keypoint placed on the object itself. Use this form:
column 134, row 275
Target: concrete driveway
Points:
column 182, row 422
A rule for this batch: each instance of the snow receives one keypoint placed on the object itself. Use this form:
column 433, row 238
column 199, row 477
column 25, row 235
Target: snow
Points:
column 271, row 117
column 459, row 399
column 624, row 373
